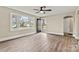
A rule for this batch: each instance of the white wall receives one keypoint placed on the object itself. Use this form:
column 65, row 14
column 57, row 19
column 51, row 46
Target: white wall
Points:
column 55, row 23
column 5, row 24
column 76, row 30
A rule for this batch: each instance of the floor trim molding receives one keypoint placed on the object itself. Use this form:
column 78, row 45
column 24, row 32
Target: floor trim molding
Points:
column 76, row 37
column 55, row 33
column 17, row 36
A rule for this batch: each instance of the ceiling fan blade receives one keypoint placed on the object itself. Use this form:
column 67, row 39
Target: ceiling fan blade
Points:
column 36, row 9
column 47, row 10
column 37, row 12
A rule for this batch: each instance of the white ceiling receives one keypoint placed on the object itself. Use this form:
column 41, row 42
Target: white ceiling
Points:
column 55, row 9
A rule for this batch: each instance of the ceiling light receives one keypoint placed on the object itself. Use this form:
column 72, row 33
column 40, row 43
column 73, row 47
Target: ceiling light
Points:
column 41, row 12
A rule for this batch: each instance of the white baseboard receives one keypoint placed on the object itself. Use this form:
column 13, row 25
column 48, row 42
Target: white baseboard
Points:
column 17, row 36
column 55, row 33
column 62, row 34
column 76, row 37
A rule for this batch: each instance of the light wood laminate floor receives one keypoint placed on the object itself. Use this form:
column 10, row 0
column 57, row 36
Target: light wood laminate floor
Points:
column 40, row 42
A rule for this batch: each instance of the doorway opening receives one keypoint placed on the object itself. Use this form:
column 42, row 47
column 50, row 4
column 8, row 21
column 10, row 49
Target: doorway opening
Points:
column 68, row 26
column 40, row 25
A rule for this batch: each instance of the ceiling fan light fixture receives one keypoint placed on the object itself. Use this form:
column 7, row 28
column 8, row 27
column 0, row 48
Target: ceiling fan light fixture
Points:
column 42, row 12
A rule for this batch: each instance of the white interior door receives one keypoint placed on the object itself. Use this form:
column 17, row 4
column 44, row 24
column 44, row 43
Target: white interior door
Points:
column 68, row 25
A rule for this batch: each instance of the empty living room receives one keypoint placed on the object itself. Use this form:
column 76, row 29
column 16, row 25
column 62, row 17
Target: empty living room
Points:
column 39, row 29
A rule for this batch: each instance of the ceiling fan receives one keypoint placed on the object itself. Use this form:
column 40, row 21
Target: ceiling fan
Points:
column 42, row 10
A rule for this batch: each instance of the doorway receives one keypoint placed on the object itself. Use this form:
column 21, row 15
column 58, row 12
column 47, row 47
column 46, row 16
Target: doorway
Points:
column 39, row 25
column 68, row 26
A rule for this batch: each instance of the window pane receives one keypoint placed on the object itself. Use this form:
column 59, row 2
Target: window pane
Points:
column 14, row 21
column 24, row 21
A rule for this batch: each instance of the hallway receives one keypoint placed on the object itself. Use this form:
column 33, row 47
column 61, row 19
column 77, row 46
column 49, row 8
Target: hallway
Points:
column 40, row 42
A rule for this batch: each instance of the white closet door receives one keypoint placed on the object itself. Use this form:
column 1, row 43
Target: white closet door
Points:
column 71, row 25
column 68, row 25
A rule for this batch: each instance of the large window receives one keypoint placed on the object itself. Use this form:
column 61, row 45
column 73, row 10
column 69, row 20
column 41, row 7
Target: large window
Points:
column 19, row 22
